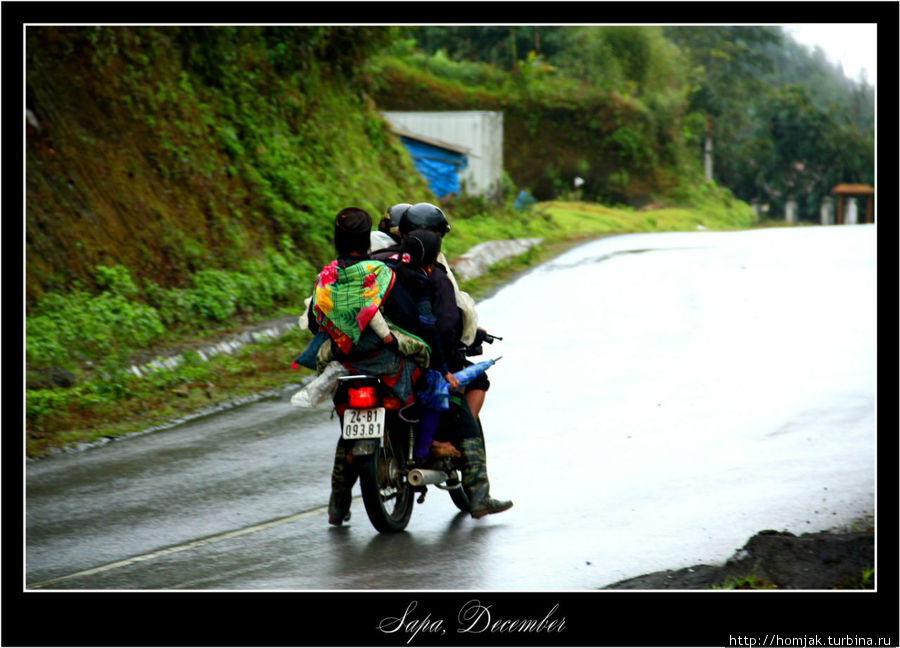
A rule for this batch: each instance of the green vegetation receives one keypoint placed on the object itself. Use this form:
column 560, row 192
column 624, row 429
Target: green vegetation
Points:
column 748, row 582
column 181, row 181
column 171, row 151
column 111, row 402
column 786, row 124
column 865, row 580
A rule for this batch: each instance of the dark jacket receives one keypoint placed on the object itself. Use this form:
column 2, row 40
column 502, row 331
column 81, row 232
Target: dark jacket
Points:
column 436, row 317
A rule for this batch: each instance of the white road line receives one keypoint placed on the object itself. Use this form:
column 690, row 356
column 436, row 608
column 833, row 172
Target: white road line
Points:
column 182, row 547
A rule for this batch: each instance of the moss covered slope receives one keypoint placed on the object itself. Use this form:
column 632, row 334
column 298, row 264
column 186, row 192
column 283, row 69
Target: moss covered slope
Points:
column 170, row 150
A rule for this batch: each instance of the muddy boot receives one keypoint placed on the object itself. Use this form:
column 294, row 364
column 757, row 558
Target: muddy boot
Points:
column 475, row 480
column 343, row 477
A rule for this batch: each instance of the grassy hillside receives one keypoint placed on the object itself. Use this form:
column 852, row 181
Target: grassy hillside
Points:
column 173, row 150
column 181, row 182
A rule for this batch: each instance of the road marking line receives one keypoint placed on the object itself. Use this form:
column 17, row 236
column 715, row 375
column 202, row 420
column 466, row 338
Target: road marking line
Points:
column 194, row 544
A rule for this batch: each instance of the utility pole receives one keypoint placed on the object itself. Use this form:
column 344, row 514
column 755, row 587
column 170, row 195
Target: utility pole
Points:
column 707, row 152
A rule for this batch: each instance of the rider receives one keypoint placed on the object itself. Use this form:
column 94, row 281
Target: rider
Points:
column 346, row 304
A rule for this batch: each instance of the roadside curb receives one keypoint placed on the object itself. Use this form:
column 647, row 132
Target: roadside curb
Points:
column 478, row 259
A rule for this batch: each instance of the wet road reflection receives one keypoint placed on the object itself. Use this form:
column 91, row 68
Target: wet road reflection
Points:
column 661, row 398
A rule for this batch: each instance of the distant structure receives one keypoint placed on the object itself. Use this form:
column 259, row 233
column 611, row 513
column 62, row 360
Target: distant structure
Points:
column 475, row 134
column 845, row 190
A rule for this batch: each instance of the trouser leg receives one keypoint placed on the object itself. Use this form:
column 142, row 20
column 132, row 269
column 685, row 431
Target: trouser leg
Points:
column 425, row 430
column 343, row 477
column 475, row 480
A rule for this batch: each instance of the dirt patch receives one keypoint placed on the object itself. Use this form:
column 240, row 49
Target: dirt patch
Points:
column 777, row 560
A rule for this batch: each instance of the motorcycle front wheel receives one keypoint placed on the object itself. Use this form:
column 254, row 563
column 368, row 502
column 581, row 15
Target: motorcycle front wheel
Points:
column 387, row 497
column 457, row 494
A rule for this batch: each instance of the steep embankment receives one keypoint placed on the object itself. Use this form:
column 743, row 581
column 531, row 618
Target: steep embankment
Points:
column 179, row 181
column 171, row 150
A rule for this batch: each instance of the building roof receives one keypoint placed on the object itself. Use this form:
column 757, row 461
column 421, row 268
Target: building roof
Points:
column 853, row 189
column 456, row 148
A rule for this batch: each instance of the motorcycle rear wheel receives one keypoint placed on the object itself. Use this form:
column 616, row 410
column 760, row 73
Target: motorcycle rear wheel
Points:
column 387, row 497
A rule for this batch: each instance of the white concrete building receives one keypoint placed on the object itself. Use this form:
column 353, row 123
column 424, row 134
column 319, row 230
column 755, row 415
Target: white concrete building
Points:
column 479, row 131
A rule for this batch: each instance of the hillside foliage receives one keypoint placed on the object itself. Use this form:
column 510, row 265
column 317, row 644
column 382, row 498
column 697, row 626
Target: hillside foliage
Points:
column 785, row 123
column 172, row 151
column 180, row 179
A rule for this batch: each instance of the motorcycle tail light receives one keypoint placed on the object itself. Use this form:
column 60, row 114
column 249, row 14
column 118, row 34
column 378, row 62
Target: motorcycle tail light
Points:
column 392, row 403
column 362, row 397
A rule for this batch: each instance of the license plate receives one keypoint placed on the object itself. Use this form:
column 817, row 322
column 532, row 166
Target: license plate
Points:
column 364, row 423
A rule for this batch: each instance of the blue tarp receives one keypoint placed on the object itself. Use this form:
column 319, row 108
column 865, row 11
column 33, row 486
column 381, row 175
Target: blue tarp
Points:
column 438, row 166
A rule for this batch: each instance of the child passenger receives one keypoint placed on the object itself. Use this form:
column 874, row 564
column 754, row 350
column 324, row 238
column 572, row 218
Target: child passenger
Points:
column 419, row 251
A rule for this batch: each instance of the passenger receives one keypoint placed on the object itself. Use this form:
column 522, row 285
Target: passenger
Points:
column 456, row 319
column 455, row 309
column 347, row 305
column 419, row 252
column 388, row 234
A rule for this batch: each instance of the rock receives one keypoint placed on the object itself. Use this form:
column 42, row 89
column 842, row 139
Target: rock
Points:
column 32, row 120
column 49, row 378
column 812, row 561
column 809, row 561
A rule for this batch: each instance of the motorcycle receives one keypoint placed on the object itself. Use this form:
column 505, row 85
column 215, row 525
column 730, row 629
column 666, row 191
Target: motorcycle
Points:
column 381, row 433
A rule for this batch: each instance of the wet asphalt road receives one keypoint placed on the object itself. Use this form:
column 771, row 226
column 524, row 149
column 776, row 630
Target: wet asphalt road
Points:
column 661, row 398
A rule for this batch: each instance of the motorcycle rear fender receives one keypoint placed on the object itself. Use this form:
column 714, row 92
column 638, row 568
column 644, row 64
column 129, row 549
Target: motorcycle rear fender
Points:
column 365, row 447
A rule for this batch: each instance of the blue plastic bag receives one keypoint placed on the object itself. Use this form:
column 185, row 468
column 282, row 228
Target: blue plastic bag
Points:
column 308, row 357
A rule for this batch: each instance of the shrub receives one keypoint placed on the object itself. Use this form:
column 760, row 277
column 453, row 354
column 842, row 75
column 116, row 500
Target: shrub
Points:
column 213, row 295
column 40, row 402
column 82, row 326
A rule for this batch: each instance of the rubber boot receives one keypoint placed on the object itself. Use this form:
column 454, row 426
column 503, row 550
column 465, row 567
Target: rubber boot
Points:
column 343, row 477
column 475, row 480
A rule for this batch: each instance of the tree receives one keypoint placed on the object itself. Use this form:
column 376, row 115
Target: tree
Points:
column 503, row 46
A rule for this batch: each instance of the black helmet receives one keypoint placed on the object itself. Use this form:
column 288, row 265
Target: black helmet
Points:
column 421, row 247
column 424, row 216
column 391, row 220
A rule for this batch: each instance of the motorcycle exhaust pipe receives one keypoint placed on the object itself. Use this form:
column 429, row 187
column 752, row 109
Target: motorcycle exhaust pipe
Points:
column 422, row 476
